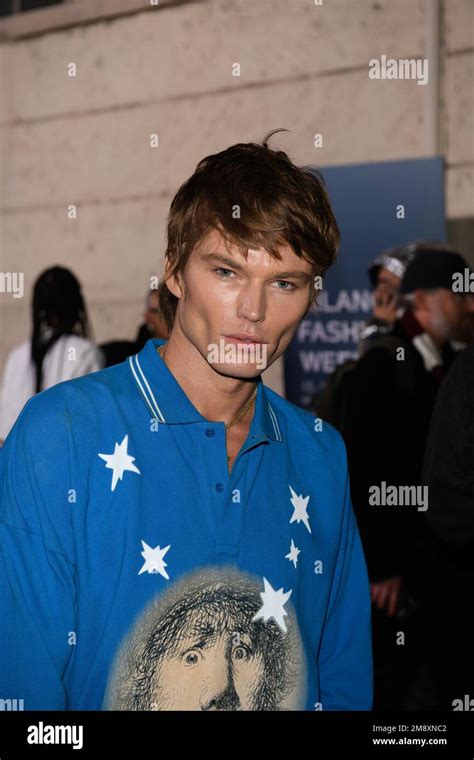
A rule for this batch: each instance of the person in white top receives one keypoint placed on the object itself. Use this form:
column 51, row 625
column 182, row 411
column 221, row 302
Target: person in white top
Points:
column 58, row 350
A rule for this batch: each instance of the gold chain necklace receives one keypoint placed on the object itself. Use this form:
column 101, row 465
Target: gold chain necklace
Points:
column 243, row 409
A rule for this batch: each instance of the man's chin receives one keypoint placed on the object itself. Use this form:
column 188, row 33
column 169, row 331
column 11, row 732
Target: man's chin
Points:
column 238, row 371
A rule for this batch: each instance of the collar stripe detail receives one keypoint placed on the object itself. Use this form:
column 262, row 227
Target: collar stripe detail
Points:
column 275, row 423
column 149, row 389
column 143, row 392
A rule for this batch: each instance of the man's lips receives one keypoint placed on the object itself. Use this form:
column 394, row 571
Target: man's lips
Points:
column 242, row 338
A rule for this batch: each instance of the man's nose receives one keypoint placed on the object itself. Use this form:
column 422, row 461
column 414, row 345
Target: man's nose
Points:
column 252, row 303
column 217, row 678
column 220, row 693
column 223, row 699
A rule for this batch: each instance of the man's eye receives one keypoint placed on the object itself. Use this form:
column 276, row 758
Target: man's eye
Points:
column 192, row 658
column 222, row 269
column 285, row 282
column 241, row 652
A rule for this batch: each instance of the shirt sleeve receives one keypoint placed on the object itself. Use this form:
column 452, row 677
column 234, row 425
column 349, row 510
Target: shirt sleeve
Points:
column 345, row 657
column 37, row 568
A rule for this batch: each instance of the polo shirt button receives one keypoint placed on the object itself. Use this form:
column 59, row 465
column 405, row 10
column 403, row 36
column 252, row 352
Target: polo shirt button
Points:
column 219, row 487
column 210, row 432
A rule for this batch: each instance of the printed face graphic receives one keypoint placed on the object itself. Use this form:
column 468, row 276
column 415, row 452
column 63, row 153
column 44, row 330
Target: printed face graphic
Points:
column 197, row 647
column 211, row 670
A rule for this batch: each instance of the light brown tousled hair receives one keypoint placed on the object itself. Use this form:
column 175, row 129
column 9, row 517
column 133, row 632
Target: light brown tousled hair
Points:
column 279, row 204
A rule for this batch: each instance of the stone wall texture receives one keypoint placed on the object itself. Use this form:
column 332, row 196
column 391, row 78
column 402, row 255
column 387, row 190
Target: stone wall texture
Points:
column 141, row 69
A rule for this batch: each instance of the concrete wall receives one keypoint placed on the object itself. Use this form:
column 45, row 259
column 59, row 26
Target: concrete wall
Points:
column 85, row 140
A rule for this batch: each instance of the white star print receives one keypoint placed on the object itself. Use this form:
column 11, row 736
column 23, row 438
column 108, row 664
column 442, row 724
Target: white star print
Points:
column 300, row 504
column 293, row 553
column 154, row 562
column 120, row 461
column 272, row 607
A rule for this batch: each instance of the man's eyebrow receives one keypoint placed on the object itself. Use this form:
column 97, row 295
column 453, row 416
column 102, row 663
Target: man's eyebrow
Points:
column 219, row 258
column 201, row 643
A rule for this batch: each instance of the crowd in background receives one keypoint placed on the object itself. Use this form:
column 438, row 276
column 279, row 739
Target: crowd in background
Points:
column 405, row 408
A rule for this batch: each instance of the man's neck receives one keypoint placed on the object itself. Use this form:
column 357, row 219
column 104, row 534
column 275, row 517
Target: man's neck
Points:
column 215, row 396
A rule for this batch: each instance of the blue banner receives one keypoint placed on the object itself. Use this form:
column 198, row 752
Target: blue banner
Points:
column 377, row 206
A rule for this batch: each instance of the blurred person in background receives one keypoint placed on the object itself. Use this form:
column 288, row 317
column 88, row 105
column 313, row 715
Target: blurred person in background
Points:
column 154, row 326
column 59, row 348
column 387, row 401
column 385, row 274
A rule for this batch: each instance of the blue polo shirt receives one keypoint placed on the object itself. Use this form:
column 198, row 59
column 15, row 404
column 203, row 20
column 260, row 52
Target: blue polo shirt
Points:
column 137, row 573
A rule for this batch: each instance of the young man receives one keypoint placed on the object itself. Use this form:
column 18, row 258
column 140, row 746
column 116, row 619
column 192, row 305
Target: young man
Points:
column 174, row 535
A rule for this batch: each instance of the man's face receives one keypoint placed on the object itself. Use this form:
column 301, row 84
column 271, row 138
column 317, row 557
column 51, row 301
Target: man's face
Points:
column 222, row 295
column 465, row 331
column 387, row 281
column 386, row 295
column 446, row 311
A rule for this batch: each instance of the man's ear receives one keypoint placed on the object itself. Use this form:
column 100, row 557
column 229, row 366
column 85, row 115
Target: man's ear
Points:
column 173, row 282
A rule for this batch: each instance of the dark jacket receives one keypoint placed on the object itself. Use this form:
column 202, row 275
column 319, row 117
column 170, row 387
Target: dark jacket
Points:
column 449, row 570
column 449, row 462
column 117, row 351
column 387, row 406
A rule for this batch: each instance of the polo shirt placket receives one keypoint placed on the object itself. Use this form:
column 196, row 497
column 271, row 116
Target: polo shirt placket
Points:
column 224, row 494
